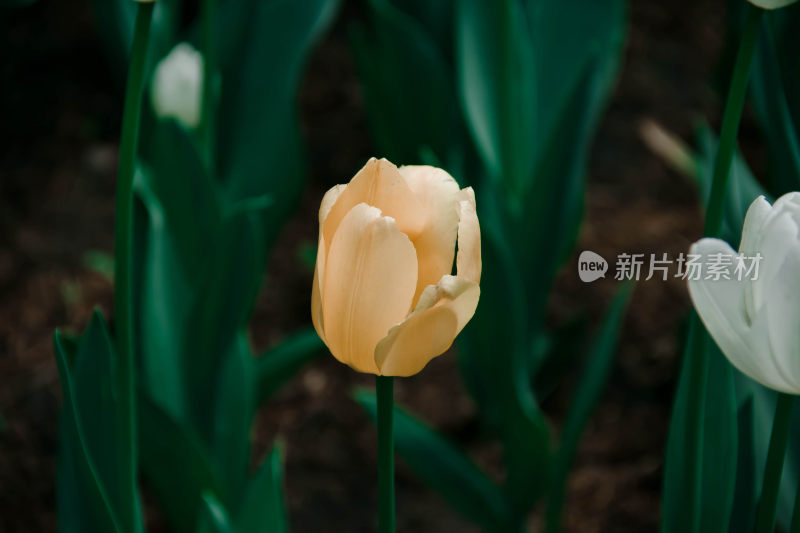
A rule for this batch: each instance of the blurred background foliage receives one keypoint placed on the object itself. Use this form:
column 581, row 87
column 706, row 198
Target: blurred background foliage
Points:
column 508, row 97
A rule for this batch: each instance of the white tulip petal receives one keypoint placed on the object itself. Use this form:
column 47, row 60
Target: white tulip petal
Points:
column 779, row 234
column 772, row 4
column 776, row 329
column 757, row 215
column 720, row 305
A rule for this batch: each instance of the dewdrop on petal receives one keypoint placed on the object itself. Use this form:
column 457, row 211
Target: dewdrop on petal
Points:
column 178, row 85
column 756, row 320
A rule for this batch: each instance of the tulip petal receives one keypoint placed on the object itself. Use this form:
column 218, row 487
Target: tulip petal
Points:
column 370, row 278
column 380, row 185
column 776, row 335
column 437, row 193
column 443, row 310
column 720, row 304
column 757, row 215
column 319, row 268
column 779, row 234
column 468, row 262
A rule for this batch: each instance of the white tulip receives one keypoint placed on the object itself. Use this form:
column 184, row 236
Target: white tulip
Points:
column 178, row 85
column 756, row 322
column 772, row 4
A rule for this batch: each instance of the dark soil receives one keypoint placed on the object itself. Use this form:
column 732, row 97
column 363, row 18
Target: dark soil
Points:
column 61, row 109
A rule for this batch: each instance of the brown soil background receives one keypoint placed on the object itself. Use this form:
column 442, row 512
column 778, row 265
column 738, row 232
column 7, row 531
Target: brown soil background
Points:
column 59, row 124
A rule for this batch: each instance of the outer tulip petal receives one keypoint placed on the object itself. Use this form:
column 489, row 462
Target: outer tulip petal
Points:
column 720, row 305
column 780, row 233
column 442, row 312
column 380, row 185
column 319, row 268
column 437, row 193
column 757, row 215
column 468, row 262
column 776, row 329
column 370, row 279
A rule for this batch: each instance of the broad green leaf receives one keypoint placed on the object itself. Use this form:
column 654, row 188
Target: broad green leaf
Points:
column 719, row 446
column 405, row 116
column 280, row 363
column 497, row 84
column 84, row 504
column 769, row 95
column 233, row 416
column 263, row 507
column 445, row 468
column 263, row 45
column 745, row 497
column 177, row 466
column 587, row 396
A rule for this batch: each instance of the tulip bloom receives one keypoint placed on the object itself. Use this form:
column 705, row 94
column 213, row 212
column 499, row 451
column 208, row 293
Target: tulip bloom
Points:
column 772, row 4
column 384, row 300
column 177, row 85
column 756, row 322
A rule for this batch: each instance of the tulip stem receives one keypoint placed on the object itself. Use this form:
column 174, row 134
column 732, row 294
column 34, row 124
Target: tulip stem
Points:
column 730, row 120
column 209, row 105
column 384, row 386
column 765, row 522
column 123, row 271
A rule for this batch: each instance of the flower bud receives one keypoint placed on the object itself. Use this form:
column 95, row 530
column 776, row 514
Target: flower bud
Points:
column 384, row 300
column 177, row 85
column 772, row 4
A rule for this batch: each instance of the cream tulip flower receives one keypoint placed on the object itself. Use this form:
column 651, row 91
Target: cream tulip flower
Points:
column 772, row 4
column 177, row 85
column 384, row 300
column 756, row 322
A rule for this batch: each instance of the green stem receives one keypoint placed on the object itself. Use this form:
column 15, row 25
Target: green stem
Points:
column 384, row 386
column 123, row 271
column 730, row 120
column 209, row 80
column 765, row 523
column 698, row 337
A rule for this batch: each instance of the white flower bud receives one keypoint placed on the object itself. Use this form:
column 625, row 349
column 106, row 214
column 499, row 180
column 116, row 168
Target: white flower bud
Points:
column 177, row 85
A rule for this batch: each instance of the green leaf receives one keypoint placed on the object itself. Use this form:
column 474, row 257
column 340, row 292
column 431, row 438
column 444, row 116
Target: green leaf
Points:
column 263, row 508
column 263, row 45
column 280, row 363
column 84, row 481
column 719, row 448
column 233, row 417
column 445, row 468
column 177, row 466
column 746, row 494
column 405, row 117
column 495, row 65
column 587, row 396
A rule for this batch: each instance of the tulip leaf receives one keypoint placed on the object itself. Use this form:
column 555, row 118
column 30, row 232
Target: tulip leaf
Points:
column 445, row 468
column 404, row 117
column 233, row 416
column 261, row 153
column 177, row 466
column 719, row 445
column 746, row 495
column 88, row 486
column 587, row 396
column 497, row 84
column 280, row 363
column 263, row 508
column 774, row 84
